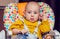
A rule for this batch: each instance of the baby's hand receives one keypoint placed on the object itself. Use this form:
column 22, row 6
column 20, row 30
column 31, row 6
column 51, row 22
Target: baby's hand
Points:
column 40, row 17
column 15, row 31
column 43, row 17
column 24, row 31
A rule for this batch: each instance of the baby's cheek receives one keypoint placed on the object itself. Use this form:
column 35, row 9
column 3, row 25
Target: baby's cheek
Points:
column 27, row 18
column 37, row 18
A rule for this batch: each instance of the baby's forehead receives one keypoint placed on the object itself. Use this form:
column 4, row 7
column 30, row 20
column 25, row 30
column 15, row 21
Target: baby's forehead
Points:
column 30, row 4
column 34, row 6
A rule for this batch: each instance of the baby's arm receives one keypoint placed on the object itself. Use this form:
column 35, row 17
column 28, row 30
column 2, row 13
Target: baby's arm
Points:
column 16, row 31
column 16, row 27
column 44, row 26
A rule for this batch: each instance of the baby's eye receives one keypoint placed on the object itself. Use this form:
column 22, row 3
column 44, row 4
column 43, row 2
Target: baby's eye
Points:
column 35, row 12
column 29, row 12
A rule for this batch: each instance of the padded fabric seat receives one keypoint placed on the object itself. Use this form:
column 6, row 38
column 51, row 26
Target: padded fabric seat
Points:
column 13, row 10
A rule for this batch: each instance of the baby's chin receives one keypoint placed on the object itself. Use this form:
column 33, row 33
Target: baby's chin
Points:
column 32, row 21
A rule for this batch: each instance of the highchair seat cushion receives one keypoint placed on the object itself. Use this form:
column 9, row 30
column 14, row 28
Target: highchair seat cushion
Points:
column 12, row 9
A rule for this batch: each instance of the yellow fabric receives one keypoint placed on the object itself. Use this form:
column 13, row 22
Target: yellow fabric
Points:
column 17, row 24
column 31, row 26
column 21, row 8
column 43, row 27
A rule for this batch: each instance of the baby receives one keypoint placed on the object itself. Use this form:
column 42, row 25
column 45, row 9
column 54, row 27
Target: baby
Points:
column 30, row 27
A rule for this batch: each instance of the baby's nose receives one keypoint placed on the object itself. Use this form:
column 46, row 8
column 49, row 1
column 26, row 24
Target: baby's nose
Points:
column 32, row 15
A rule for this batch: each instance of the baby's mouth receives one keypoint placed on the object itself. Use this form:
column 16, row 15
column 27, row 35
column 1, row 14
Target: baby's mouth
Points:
column 31, row 19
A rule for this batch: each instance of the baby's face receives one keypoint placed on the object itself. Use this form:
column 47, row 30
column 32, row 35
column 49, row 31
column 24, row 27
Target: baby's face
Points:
column 32, row 12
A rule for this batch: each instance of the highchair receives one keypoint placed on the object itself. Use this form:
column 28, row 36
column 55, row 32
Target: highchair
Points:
column 13, row 10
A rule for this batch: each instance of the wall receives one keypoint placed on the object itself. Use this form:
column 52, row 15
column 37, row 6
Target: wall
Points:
column 5, row 2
